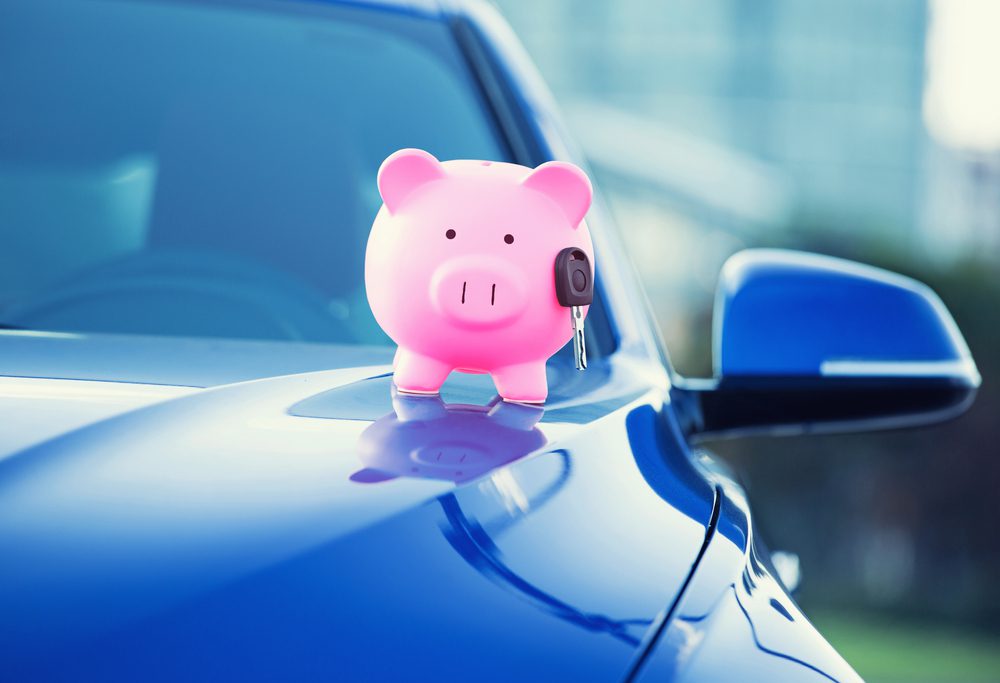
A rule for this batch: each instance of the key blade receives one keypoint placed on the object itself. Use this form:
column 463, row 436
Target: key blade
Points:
column 579, row 339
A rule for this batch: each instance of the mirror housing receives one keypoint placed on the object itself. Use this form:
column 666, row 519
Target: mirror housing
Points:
column 806, row 343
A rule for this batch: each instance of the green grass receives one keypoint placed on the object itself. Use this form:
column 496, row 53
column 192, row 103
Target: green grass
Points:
column 889, row 651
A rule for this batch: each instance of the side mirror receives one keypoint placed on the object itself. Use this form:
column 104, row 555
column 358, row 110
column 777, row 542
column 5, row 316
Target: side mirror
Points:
column 811, row 343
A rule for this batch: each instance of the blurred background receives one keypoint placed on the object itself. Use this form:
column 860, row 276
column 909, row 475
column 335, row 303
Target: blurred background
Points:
column 865, row 129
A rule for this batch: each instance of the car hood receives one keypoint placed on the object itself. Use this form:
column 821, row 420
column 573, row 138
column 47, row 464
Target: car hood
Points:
column 202, row 498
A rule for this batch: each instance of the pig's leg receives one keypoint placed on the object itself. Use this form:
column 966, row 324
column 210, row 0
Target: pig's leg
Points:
column 524, row 383
column 417, row 374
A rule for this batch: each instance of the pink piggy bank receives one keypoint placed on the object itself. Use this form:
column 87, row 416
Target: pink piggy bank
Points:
column 460, row 268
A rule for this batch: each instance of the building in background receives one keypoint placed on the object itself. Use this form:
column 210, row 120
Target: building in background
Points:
column 827, row 91
column 718, row 124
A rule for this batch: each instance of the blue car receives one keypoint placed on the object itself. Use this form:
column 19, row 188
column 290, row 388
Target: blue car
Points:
column 205, row 472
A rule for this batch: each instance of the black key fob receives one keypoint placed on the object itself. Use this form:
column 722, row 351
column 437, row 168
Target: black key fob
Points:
column 574, row 278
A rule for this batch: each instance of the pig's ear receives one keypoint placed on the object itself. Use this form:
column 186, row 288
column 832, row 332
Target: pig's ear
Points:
column 371, row 476
column 403, row 172
column 566, row 185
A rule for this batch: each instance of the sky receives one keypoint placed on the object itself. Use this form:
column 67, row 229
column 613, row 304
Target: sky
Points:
column 962, row 99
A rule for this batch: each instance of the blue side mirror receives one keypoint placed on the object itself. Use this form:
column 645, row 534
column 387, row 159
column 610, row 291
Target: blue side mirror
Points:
column 806, row 342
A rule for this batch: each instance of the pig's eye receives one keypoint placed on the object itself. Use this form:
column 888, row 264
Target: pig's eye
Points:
column 508, row 238
column 450, row 234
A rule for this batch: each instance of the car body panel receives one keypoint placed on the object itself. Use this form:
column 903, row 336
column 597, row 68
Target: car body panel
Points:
column 37, row 409
column 170, row 361
column 735, row 615
column 215, row 518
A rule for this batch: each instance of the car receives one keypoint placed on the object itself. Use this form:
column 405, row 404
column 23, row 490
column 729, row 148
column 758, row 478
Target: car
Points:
column 205, row 471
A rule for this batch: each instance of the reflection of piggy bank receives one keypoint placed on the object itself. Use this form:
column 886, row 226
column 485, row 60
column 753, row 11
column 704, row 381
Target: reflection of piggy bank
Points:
column 429, row 439
column 460, row 268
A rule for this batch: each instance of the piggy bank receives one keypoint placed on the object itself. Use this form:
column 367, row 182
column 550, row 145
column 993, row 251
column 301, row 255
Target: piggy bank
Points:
column 460, row 268
column 429, row 439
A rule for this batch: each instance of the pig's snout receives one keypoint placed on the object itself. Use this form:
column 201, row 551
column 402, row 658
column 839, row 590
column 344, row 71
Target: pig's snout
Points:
column 478, row 292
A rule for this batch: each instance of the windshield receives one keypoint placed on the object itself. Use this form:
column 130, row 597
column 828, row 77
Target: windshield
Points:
column 209, row 170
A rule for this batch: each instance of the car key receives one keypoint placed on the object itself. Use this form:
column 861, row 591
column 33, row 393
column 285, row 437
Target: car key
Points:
column 574, row 289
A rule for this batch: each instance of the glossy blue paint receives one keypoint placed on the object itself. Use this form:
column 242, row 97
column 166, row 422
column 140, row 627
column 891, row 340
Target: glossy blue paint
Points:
column 191, row 509
column 735, row 616
column 785, row 313
column 224, row 528
column 808, row 343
